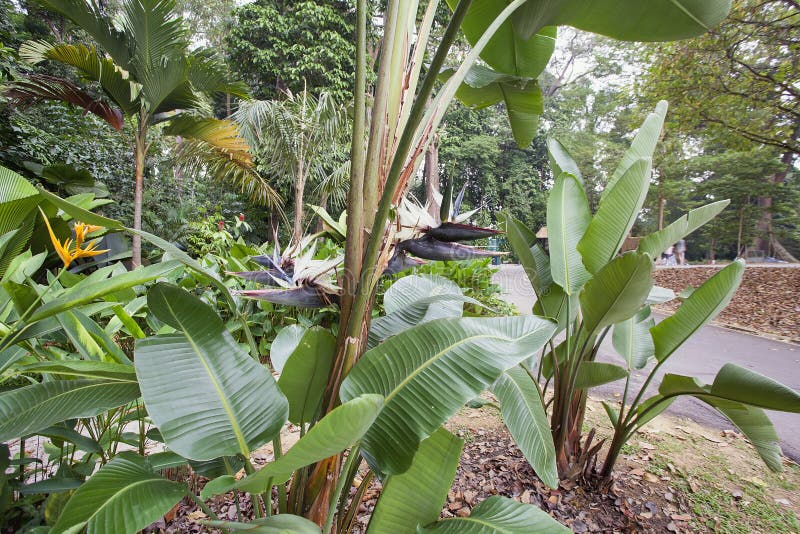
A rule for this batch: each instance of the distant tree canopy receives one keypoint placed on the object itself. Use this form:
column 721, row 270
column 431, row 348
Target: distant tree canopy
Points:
column 739, row 78
column 276, row 45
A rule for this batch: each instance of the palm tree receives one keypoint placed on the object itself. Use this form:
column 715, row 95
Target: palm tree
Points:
column 301, row 138
column 145, row 70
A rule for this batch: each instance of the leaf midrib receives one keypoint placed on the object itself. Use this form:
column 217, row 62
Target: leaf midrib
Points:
column 436, row 357
column 218, row 389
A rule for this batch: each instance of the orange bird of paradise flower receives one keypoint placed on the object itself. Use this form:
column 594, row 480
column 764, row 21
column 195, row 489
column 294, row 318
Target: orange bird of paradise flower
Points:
column 69, row 253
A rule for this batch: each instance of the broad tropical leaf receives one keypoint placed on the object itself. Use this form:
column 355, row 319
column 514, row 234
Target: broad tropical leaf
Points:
column 306, row 372
column 657, row 242
column 83, row 368
column 751, row 420
column 28, row 409
column 498, row 515
column 417, row 496
column 335, row 432
column 561, row 160
column 628, row 20
column 208, row 397
column 18, row 198
column 413, row 300
column 506, row 52
column 522, row 96
column 284, row 345
column 701, row 307
column 523, row 243
column 124, row 496
column 277, row 524
column 428, row 372
column 642, row 146
column 617, row 292
column 615, row 217
column 593, row 374
column 523, row 413
column 568, row 218
column 743, row 385
column 632, row 340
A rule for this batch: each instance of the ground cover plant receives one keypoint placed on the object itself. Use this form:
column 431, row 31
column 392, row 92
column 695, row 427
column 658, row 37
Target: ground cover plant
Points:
column 148, row 354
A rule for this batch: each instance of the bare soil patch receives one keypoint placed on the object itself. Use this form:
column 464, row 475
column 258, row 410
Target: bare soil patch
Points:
column 768, row 301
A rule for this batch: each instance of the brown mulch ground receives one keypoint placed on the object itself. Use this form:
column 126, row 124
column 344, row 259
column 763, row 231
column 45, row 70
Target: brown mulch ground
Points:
column 768, row 301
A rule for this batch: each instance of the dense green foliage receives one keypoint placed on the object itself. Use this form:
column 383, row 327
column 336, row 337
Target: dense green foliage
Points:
column 275, row 45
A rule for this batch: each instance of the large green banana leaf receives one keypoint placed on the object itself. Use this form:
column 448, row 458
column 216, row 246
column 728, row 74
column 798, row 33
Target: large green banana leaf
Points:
column 498, row 515
column 208, row 397
column 628, row 20
column 29, row 409
column 428, row 372
column 413, row 300
column 524, row 415
column 617, row 292
column 276, row 524
column 642, row 146
column 417, row 496
column 483, row 87
column 306, row 372
column 561, row 160
column 731, row 393
column 615, row 217
column 338, row 430
column 18, row 198
column 123, row 497
column 701, row 307
column 83, row 368
column 657, row 242
column 506, row 52
column 532, row 258
column 632, row 340
column 568, row 218
column 284, row 345
column 89, row 339
column 592, row 374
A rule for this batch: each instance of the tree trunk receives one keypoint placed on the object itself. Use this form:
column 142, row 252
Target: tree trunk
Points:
column 140, row 151
column 739, row 234
column 764, row 238
column 432, row 177
column 299, row 189
column 661, row 202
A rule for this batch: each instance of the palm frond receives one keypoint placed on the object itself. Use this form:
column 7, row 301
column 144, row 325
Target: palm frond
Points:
column 209, row 74
column 335, row 184
column 221, row 134
column 231, row 167
column 115, row 81
column 90, row 16
column 160, row 42
column 38, row 87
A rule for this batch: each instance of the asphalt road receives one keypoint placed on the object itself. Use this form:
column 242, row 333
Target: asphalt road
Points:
column 701, row 356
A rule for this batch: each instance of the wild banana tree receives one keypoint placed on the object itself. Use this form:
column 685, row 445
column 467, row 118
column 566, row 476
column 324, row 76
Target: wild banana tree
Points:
column 146, row 72
column 592, row 291
column 386, row 393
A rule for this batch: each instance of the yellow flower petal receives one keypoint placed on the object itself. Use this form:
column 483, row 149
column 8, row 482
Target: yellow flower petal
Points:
column 61, row 250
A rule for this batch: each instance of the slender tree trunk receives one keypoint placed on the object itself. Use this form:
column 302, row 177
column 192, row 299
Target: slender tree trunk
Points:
column 661, row 202
column 140, row 151
column 764, row 238
column 739, row 234
column 432, row 177
column 299, row 190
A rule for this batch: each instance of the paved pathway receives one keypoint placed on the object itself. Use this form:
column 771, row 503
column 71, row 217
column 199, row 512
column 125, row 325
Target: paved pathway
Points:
column 701, row 356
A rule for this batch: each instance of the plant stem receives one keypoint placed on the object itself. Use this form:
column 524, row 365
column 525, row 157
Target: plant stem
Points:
column 203, row 506
column 277, row 453
column 249, row 469
column 351, row 458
